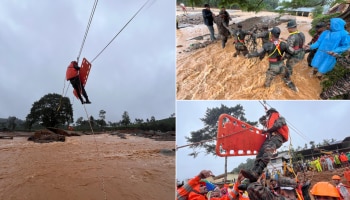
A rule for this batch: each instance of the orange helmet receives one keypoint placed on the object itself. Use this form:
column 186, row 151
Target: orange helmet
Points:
column 335, row 177
column 324, row 189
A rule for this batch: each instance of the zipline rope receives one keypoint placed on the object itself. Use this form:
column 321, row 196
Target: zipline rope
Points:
column 98, row 155
column 87, row 29
column 119, row 31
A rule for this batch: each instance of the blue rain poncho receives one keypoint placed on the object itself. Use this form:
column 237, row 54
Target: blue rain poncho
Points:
column 336, row 39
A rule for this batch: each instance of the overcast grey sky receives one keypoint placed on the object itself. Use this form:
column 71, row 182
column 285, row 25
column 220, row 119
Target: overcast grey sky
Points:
column 136, row 73
column 313, row 121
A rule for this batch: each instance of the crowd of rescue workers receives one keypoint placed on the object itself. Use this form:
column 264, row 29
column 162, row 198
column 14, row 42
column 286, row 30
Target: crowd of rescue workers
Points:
column 258, row 183
column 328, row 44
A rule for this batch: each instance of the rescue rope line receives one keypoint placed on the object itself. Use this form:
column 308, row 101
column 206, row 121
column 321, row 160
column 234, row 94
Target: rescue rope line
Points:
column 65, row 93
column 120, row 31
column 98, row 155
column 87, row 28
column 203, row 141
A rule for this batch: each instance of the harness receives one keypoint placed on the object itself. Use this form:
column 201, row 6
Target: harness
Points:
column 278, row 49
column 300, row 45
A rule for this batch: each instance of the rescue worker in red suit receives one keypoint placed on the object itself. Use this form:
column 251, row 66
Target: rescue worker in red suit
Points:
column 72, row 75
column 277, row 131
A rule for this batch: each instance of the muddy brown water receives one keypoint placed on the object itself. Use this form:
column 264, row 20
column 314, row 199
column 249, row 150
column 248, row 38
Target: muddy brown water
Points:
column 213, row 73
column 87, row 167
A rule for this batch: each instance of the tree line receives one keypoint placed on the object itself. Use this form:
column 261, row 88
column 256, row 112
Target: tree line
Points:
column 54, row 110
column 258, row 5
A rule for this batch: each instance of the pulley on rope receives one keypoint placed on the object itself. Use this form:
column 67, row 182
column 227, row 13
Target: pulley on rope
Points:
column 237, row 138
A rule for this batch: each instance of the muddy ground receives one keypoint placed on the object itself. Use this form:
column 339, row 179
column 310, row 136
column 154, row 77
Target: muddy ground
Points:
column 209, row 72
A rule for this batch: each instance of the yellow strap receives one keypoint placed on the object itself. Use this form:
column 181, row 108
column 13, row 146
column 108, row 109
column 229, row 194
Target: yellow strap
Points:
column 295, row 32
column 279, row 51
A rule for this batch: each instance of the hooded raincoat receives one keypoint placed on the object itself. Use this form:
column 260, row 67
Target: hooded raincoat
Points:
column 336, row 39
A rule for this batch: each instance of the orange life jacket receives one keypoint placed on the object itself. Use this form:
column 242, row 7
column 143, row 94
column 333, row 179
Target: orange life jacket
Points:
column 284, row 131
column 71, row 71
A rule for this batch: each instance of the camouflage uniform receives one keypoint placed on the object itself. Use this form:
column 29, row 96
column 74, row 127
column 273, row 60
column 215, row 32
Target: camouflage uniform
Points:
column 240, row 46
column 277, row 134
column 276, row 65
column 223, row 29
column 256, row 191
column 342, row 86
column 295, row 40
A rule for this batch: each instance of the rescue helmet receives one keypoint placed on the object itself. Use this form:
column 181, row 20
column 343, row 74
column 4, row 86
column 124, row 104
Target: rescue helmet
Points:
column 335, row 177
column 292, row 24
column 271, row 110
column 275, row 31
column 324, row 189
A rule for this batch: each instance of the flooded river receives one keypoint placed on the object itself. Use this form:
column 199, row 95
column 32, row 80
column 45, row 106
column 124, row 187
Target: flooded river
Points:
column 87, row 167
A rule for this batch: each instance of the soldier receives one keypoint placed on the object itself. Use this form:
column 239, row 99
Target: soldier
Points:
column 275, row 50
column 264, row 34
column 239, row 42
column 278, row 133
column 72, row 75
column 223, row 29
column 285, row 190
column 208, row 18
column 320, row 27
column 296, row 40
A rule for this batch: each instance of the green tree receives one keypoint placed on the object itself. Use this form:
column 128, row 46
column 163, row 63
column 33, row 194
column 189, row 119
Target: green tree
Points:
column 11, row 123
column 102, row 116
column 312, row 143
column 125, row 119
column 247, row 165
column 50, row 111
column 79, row 121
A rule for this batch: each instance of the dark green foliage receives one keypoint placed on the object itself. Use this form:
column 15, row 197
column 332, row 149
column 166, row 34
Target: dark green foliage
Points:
column 247, row 165
column 46, row 113
column 333, row 76
column 321, row 18
column 209, row 131
column 246, row 5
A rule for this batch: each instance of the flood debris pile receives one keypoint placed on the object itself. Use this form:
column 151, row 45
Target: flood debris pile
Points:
column 46, row 136
column 51, row 135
